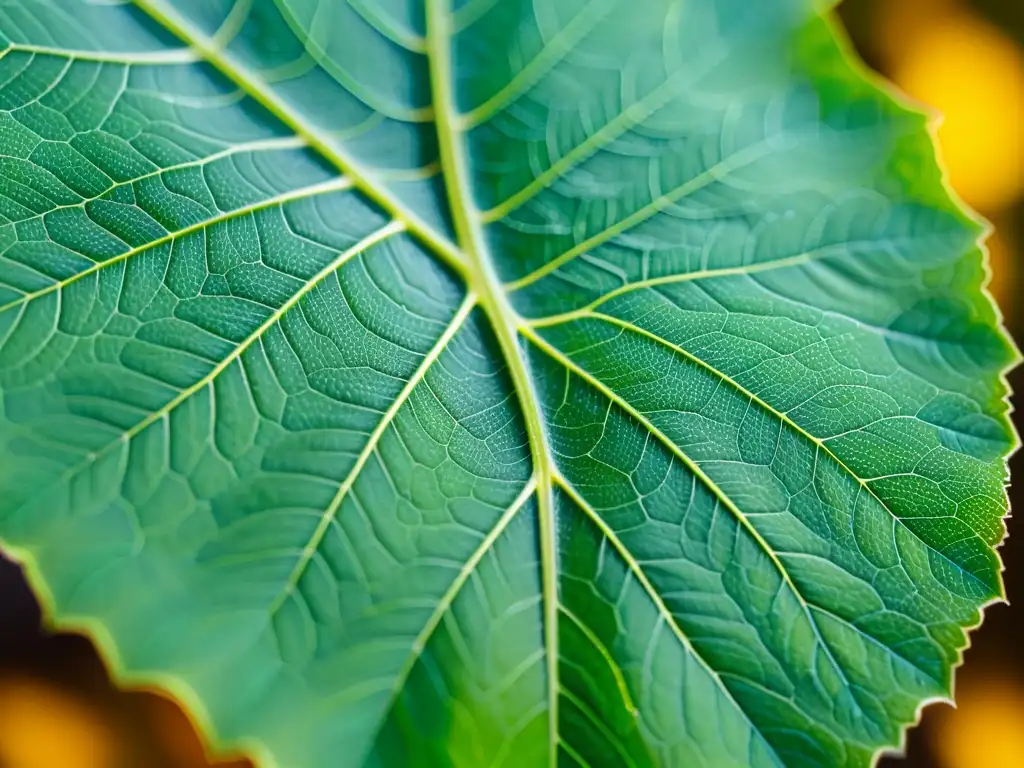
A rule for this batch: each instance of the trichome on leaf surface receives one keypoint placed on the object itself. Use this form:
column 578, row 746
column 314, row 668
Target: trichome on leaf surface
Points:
column 492, row 382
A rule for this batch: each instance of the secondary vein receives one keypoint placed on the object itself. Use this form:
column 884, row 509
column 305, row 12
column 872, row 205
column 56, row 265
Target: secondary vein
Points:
column 638, row 573
column 373, row 238
column 420, row 643
column 819, row 444
column 333, row 185
column 371, row 445
column 695, row 468
column 363, row 178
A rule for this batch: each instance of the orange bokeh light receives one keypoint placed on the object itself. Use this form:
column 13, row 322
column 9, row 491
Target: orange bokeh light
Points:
column 43, row 727
column 987, row 728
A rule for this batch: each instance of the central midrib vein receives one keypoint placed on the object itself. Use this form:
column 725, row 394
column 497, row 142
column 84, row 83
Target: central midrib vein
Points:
column 484, row 282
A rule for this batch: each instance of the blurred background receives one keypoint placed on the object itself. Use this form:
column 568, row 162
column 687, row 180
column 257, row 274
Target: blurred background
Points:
column 963, row 57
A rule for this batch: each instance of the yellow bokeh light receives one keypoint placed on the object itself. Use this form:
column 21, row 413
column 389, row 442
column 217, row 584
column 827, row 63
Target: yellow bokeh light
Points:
column 42, row 727
column 973, row 74
column 987, row 728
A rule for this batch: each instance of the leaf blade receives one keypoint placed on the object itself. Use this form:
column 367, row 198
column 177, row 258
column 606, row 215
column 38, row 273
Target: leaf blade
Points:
column 343, row 501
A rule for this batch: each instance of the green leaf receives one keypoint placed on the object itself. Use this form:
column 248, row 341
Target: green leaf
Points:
column 491, row 382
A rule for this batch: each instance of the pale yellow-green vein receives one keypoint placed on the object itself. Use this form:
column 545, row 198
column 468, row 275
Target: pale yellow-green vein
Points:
column 378, row 236
column 571, row 366
column 323, row 142
column 314, row 39
column 464, row 574
column 700, row 274
column 638, row 573
column 309, row 551
column 129, row 58
column 716, row 172
column 630, row 117
column 784, row 418
column 494, row 301
column 333, row 185
column 553, row 51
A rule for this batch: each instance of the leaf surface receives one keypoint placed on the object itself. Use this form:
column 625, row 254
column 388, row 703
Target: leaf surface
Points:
column 504, row 383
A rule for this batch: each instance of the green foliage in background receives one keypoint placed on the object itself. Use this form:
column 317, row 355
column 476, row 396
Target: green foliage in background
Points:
column 494, row 382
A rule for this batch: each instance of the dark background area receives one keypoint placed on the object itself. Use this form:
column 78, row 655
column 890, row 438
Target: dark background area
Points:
column 58, row 708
